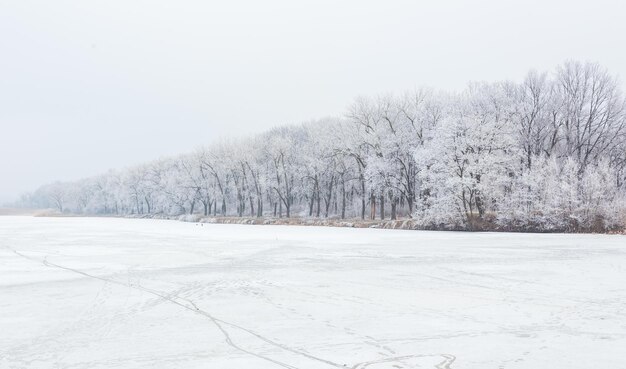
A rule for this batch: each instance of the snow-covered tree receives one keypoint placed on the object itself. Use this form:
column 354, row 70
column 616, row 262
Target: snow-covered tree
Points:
column 548, row 153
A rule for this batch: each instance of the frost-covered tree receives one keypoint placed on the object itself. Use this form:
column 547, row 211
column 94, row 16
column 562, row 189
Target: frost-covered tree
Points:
column 548, row 153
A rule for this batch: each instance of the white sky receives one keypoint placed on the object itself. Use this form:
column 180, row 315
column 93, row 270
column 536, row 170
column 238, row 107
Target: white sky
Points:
column 90, row 85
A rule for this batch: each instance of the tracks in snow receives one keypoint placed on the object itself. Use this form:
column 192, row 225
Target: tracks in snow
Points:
column 445, row 364
column 220, row 324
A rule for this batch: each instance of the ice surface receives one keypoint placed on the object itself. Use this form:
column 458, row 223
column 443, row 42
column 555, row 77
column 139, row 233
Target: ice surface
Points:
column 122, row 293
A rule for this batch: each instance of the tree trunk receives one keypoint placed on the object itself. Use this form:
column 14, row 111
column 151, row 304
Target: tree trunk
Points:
column 311, row 203
column 363, row 200
column 318, row 199
column 343, row 200
column 148, row 204
column 363, row 207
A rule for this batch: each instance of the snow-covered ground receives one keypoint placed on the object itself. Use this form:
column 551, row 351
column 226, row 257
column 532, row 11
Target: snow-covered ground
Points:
column 120, row 293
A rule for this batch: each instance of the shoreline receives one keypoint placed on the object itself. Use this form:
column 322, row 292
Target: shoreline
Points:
column 399, row 224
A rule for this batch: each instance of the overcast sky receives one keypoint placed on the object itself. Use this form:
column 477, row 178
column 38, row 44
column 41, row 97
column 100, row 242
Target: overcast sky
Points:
column 90, row 85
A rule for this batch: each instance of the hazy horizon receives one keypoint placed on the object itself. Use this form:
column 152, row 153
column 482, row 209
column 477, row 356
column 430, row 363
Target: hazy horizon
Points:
column 91, row 87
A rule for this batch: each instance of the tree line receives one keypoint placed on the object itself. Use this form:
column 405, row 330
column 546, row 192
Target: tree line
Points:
column 545, row 154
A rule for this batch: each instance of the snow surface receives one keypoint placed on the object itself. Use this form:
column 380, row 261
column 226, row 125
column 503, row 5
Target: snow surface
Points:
column 123, row 293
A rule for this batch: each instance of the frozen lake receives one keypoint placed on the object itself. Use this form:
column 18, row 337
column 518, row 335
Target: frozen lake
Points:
column 123, row 293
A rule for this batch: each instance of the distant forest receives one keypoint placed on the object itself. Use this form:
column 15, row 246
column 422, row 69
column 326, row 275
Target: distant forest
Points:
column 546, row 154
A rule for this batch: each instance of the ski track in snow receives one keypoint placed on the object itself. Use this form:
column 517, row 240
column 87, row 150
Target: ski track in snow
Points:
column 173, row 298
column 356, row 299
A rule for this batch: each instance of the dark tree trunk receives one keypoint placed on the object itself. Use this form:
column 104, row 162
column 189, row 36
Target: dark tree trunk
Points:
column 318, row 200
column 148, row 204
column 311, row 203
column 363, row 200
column 343, row 201
column 193, row 206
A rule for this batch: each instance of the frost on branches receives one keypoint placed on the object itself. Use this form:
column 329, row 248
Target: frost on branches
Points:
column 547, row 154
